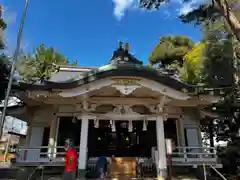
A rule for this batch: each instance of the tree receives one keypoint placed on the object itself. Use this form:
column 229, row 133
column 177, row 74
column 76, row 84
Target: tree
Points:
column 41, row 64
column 3, row 26
column 219, row 54
column 191, row 71
column 4, row 66
column 170, row 49
column 205, row 11
column 180, row 55
column 222, row 62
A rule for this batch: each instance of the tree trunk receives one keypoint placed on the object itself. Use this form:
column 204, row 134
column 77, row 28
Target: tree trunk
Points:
column 229, row 16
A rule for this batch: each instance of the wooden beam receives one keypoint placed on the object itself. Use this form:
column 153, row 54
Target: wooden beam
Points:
column 123, row 100
column 104, row 117
column 188, row 103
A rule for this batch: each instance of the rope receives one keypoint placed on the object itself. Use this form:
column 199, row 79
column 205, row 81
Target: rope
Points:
column 217, row 172
column 204, row 171
column 33, row 173
column 38, row 167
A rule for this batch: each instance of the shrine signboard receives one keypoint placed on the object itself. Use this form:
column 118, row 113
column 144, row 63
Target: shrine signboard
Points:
column 126, row 82
column 126, row 86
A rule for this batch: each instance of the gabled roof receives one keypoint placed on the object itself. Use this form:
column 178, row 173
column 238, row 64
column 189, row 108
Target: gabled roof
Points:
column 122, row 63
column 132, row 70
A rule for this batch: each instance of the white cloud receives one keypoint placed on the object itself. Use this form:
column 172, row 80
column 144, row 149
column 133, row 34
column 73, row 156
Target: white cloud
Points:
column 120, row 6
column 188, row 7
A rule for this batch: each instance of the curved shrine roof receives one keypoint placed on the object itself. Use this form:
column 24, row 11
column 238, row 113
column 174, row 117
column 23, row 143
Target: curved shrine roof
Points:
column 123, row 70
column 122, row 64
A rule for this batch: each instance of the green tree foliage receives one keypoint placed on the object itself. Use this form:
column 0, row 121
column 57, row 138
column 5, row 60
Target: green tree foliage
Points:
column 213, row 9
column 201, row 63
column 219, row 54
column 191, row 71
column 170, row 49
column 181, row 55
column 218, row 67
column 4, row 68
column 4, row 73
column 41, row 64
column 3, row 26
column 222, row 53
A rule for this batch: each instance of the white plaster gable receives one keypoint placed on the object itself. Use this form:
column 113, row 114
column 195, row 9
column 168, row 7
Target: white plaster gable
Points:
column 165, row 90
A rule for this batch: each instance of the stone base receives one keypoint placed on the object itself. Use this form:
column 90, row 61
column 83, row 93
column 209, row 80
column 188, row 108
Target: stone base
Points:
column 81, row 173
column 161, row 174
column 25, row 173
column 200, row 172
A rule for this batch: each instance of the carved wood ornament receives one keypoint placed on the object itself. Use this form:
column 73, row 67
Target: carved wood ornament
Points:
column 126, row 86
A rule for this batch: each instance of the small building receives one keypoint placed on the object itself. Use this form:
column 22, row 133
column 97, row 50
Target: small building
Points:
column 123, row 109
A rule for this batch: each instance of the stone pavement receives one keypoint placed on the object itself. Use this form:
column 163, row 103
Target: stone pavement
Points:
column 125, row 178
column 116, row 179
column 120, row 178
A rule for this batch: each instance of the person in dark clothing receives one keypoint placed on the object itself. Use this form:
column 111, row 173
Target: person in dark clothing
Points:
column 101, row 166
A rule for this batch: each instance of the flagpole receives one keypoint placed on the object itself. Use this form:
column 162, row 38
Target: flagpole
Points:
column 13, row 67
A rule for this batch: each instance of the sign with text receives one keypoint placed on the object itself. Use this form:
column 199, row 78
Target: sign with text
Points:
column 126, row 82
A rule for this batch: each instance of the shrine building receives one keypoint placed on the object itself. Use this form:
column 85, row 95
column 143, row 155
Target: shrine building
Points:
column 123, row 109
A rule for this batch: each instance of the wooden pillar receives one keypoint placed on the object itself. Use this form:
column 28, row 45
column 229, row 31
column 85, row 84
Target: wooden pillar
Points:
column 82, row 161
column 56, row 139
column 30, row 115
column 161, row 159
column 52, row 137
column 180, row 132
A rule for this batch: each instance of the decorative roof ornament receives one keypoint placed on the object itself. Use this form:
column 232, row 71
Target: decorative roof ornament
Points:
column 122, row 56
column 120, row 44
column 1, row 11
column 127, row 47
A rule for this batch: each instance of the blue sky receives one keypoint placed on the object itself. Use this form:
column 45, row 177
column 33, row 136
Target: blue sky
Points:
column 89, row 31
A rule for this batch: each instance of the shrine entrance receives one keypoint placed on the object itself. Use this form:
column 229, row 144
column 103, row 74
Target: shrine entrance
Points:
column 121, row 141
column 122, row 144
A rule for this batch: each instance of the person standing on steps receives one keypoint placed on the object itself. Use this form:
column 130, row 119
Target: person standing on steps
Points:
column 102, row 166
column 70, row 161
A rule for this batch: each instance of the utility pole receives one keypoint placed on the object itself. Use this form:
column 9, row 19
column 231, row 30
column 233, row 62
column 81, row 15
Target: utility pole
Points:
column 14, row 60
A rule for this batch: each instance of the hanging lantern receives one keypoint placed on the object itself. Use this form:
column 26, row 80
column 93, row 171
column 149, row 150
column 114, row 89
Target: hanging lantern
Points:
column 96, row 123
column 238, row 133
column 130, row 126
column 113, row 126
column 145, row 125
column 74, row 119
column 165, row 117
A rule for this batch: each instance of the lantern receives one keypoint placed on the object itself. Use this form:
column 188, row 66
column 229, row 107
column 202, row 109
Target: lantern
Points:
column 130, row 126
column 96, row 123
column 145, row 125
column 113, row 126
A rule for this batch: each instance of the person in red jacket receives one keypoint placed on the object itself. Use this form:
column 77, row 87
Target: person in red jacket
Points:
column 71, row 161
